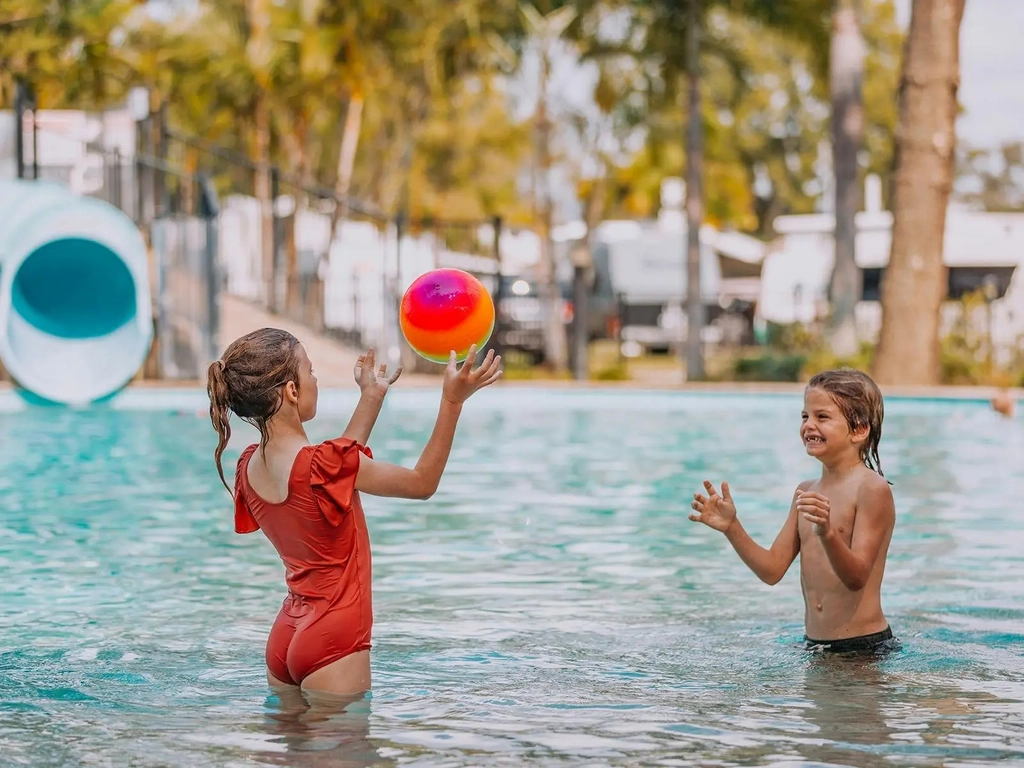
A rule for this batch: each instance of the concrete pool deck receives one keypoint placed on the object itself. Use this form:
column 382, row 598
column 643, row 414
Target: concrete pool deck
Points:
column 189, row 397
column 421, row 382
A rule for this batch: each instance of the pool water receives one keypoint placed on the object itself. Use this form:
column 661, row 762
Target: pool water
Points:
column 551, row 605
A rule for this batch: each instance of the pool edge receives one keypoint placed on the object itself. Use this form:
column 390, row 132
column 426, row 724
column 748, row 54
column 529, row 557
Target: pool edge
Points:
column 10, row 400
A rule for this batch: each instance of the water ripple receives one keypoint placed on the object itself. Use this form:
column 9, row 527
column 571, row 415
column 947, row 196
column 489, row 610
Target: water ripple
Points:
column 550, row 606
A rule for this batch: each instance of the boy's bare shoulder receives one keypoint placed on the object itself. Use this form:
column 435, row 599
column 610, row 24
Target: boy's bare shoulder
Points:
column 874, row 482
column 874, row 494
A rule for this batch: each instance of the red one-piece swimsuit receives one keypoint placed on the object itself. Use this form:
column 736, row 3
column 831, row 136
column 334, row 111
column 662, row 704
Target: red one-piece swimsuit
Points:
column 319, row 531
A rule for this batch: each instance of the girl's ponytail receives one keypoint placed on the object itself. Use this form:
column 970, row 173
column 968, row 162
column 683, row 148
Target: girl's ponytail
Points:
column 247, row 381
column 217, row 389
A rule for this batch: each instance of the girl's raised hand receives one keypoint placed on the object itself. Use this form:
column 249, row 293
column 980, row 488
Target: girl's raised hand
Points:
column 373, row 382
column 460, row 383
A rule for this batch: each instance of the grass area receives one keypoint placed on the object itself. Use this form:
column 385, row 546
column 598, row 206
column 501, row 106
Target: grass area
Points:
column 605, row 363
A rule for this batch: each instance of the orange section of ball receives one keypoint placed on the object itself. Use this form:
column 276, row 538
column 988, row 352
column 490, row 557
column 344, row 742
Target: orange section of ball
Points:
column 475, row 329
column 443, row 310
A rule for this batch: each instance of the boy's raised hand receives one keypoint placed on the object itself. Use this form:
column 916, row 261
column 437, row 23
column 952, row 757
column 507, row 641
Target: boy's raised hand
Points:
column 460, row 383
column 816, row 509
column 714, row 510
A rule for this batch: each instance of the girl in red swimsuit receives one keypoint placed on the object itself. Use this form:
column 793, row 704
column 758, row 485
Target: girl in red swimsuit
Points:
column 305, row 498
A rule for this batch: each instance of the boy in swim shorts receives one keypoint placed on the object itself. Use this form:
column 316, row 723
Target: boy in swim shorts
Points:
column 840, row 523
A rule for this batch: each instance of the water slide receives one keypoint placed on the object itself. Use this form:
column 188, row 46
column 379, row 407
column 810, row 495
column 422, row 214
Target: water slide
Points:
column 75, row 305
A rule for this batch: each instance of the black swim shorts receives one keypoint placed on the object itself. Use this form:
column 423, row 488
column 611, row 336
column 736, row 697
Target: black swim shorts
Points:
column 879, row 641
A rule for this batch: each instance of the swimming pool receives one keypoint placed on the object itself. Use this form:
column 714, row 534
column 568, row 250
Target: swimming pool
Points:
column 551, row 605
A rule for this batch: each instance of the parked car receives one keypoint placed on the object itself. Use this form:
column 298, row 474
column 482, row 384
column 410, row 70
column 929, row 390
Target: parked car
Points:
column 520, row 312
column 519, row 321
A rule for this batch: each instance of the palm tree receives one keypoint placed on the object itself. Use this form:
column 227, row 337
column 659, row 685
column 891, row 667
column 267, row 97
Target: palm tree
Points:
column 546, row 30
column 915, row 280
column 695, row 316
column 846, row 77
column 667, row 23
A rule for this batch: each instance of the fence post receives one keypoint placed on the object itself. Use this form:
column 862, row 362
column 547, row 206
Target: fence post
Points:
column 273, row 291
column 162, row 153
column 137, row 182
column 499, row 285
column 146, row 181
column 20, row 104
column 35, row 134
column 117, row 179
column 357, row 328
column 621, row 311
column 158, row 238
column 393, row 297
column 210, row 210
column 400, row 219
column 581, row 265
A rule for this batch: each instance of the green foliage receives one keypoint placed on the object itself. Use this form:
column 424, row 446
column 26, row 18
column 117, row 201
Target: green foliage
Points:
column 966, row 356
column 792, row 337
column 765, row 109
column 795, row 352
column 614, row 372
column 72, row 52
column 438, row 131
column 823, row 359
column 993, row 177
column 772, row 365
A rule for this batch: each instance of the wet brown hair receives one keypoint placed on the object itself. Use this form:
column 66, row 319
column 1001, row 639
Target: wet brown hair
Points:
column 860, row 400
column 247, row 379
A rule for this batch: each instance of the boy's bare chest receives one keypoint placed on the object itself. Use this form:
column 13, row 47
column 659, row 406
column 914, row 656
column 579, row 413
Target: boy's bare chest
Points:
column 842, row 513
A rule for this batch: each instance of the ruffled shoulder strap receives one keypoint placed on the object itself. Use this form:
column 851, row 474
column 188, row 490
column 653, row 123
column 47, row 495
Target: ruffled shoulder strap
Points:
column 244, row 520
column 332, row 476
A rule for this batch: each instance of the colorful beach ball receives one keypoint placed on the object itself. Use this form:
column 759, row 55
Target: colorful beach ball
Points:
column 446, row 309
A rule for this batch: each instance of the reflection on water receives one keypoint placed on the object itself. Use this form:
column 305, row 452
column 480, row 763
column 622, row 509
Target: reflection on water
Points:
column 551, row 605
column 865, row 716
column 320, row 730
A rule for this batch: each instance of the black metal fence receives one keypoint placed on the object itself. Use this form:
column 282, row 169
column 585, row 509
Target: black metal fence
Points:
column 178, row 213
column 188, row 284
column 216, row 222
column 335, row 265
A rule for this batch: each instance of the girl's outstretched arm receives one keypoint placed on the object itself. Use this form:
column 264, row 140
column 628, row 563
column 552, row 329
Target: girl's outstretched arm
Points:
column 373, row 386
column 420, row 482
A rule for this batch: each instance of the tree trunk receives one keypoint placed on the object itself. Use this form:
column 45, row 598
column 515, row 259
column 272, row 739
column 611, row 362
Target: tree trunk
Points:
column 294, row 137
column 694, row 199
column 264, row 197
column 556, row 345
column 583, row 275
column 915, row 282
column 259, row 53
column 351, row 129
column 847, row 75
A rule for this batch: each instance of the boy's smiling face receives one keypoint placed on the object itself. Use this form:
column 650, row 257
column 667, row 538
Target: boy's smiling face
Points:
column 823, row 426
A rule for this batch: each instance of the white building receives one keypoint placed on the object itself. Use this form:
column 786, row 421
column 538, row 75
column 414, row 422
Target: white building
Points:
column 72, row 145
column 798, row 265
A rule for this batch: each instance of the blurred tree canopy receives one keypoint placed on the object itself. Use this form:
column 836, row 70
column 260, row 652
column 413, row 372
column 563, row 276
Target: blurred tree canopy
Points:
column 992, row 179
column 440, row 131
column 765, row 109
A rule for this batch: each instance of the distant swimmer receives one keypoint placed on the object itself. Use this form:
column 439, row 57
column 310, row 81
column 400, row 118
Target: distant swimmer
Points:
column 1004, row 403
